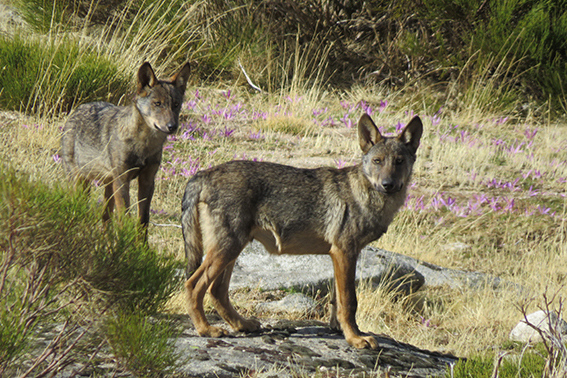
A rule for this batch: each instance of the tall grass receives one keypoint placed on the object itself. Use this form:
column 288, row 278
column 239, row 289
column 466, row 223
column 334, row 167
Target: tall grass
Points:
column 51, row 75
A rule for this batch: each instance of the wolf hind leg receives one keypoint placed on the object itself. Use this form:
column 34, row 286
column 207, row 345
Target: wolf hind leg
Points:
column 214, row 265
column 221, row 301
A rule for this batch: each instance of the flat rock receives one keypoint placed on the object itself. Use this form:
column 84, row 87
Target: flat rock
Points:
column 293, row 304
column 256, row 268
column 285, row 347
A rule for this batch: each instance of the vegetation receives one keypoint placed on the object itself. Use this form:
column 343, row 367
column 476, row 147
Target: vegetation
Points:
column 489, row 183
column 53, row 76
column 60, row 269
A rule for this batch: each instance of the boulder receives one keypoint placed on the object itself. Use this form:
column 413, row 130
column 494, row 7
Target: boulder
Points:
column 548, row 323
column 255, row 268
column 298, row 304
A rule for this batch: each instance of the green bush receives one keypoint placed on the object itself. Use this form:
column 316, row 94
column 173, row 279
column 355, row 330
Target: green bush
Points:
column 518, row 45
column 60, row 265
column 49, row 76
column 516, row 48
column 143, row 347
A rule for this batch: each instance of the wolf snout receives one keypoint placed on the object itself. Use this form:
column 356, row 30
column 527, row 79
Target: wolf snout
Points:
column 389, row 185
column 168, row 128
column 171, row 127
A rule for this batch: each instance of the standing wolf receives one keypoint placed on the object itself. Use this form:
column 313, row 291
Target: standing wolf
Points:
column 115, row 144
column 294, row 211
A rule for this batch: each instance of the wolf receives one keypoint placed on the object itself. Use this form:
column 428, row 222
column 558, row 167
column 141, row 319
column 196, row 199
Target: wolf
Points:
column 116, row 144
column 294, row 211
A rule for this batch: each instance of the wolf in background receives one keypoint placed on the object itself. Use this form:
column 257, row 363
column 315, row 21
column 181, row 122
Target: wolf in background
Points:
column 116, row 144
column 294, row 211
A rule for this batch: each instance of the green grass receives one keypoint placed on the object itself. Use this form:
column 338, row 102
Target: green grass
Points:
column 143, row 346
column 51, row 76
column 520, row 363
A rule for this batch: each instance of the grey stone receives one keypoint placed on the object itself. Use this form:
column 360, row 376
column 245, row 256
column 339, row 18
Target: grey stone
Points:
column 308, row 347
column 256, row 268
column 549, row 323
column 437, row 276
column 293, row 304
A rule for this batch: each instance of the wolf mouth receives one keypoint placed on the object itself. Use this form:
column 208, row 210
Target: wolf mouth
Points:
column 158, row 128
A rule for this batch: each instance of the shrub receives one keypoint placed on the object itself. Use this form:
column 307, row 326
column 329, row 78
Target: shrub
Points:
column 143, row 347
column 60, row 267
column 50, row 75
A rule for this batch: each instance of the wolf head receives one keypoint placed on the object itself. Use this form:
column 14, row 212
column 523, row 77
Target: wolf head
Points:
column 387, row 162
column 159, row 101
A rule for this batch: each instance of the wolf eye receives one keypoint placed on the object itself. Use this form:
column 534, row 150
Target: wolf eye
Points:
column 157, row 103
column 399, row 161
column 377, row 161
column 175, row 105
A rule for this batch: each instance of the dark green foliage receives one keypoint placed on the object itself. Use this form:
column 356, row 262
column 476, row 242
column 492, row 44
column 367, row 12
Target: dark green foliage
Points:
column 520, row 46
column 520, row 43
column 45, row 77
column 61, row 230
column 475, row 367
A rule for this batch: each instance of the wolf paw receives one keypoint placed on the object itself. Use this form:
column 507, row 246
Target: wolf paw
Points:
column 248, row 325
column 363, row 342
column 214, row 332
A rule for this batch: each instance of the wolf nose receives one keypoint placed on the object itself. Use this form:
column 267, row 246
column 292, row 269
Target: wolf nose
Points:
column 388, row 185
column 171, row 127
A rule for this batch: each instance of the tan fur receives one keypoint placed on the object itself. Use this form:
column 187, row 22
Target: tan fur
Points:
column 294, row 211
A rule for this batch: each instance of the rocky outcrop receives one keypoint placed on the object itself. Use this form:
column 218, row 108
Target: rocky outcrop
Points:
column 284, row 348
column 256, row 268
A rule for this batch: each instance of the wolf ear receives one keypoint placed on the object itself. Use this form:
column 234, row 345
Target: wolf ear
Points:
column 412, row 134
column 181, row 77
column 146, row 77
column 368, row 134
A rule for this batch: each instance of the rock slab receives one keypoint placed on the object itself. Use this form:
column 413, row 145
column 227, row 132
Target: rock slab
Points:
column 286, row 347
column 255, row 268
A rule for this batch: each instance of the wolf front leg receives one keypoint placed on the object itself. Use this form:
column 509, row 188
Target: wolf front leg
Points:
column 109, row 199
column 344, row 263
column 146, row 185
column 121, row 189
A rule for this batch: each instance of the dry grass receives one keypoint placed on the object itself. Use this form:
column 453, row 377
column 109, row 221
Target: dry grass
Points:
column 527, row 250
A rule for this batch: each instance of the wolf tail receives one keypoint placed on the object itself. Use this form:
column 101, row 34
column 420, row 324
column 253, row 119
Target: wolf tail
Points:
column 191, row 226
